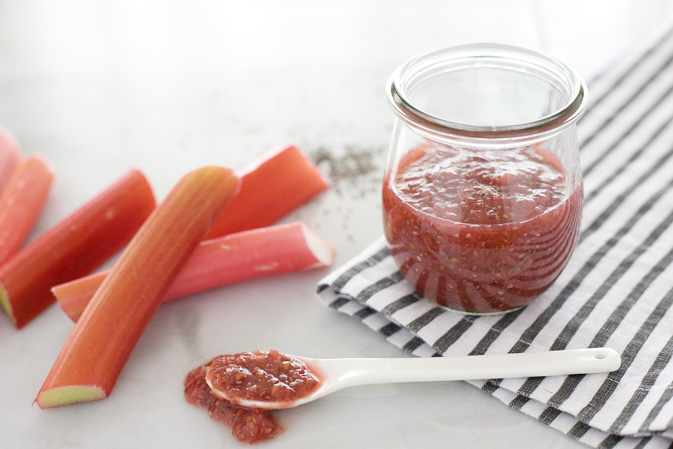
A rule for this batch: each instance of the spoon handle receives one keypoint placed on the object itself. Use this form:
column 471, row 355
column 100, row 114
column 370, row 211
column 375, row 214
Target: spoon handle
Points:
column 355, row 372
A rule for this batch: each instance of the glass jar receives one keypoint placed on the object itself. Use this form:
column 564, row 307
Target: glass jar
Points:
column 482, row 195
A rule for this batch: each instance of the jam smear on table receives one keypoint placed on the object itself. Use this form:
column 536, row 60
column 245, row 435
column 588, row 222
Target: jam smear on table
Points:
column 248, row 425
column 481, row 232
column 261, row 376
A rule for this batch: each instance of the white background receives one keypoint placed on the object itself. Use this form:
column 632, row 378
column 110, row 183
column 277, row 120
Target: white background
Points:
column 165, row 86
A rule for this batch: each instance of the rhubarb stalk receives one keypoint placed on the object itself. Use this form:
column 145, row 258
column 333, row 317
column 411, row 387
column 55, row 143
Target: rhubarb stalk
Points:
column 21, row 201
column 102, row 341
column 270, row 189
column 74, row 247
column 10, row 154
column 233, row 258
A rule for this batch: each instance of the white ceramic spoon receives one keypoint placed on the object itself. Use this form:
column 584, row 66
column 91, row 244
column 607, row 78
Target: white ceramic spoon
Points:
column 336, row 374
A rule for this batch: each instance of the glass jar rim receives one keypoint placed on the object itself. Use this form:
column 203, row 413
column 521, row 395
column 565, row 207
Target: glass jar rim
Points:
column 438, row 128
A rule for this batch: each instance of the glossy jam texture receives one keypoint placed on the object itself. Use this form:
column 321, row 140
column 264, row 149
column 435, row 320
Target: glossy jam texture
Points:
column 481, row 231
column 247, row 425
column 261, row 376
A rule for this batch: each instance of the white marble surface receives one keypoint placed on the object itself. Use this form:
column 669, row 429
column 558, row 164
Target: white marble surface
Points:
column 99, row 87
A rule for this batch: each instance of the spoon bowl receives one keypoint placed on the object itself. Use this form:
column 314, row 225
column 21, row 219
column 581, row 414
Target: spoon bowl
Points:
column 337, row 374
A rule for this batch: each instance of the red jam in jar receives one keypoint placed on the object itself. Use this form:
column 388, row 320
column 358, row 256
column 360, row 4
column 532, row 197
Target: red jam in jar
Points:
column 480, row 231
column 482, row 196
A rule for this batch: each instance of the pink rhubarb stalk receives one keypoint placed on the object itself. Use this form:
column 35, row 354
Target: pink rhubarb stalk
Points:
column 233, row 258
column 102, row 341
column 21, row 201
column 74, row 247
column 10, row 154
column 270, row 189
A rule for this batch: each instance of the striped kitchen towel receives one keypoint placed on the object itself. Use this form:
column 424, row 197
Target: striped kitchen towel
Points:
column 616, row 291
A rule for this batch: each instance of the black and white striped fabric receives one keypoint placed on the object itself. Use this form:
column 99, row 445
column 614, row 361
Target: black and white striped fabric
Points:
column 617, row 290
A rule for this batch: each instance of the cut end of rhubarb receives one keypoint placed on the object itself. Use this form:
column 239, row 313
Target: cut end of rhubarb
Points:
column 6, row 305
column 70, row 394
column 320, row 248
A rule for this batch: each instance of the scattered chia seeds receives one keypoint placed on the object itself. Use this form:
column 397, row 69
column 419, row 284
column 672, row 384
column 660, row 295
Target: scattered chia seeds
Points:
column 353, row 166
